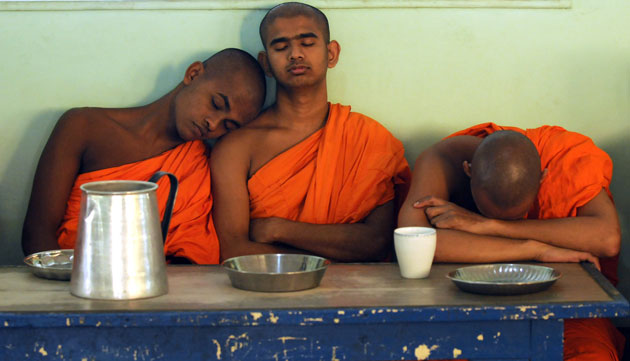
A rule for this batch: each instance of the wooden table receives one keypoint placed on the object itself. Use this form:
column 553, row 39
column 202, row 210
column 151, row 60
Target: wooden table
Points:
column 359, row 312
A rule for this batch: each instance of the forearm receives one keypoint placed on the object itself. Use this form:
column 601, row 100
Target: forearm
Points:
column 239, row 247
column 342, row 242
column 588, row 234
column 461, row 247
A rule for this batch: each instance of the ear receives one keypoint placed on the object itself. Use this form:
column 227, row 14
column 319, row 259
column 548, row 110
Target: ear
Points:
column 333, row 53
column 544, row 175
column 467, row 168
column 264, row 62
column 194, row 70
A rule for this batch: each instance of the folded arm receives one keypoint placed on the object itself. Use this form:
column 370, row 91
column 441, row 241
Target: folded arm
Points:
column 56, row 172
column 368, row 240
column 595, row 228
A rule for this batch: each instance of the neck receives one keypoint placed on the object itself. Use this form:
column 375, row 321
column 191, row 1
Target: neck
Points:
column 158, row 119
column 302, row 107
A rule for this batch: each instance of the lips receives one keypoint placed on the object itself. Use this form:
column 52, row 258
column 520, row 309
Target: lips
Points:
column 199, row 130
column 298, row 69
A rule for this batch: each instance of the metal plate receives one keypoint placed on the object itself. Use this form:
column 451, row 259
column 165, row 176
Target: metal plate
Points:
column 276, row 272
column 54, row 265
column 504, row 279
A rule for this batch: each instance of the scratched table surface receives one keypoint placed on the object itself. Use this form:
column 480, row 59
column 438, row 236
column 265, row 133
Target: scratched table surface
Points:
column 360, row 311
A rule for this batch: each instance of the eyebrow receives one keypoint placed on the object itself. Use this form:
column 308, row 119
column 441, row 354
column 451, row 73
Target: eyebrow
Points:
column 299, row 36
column 226, row 100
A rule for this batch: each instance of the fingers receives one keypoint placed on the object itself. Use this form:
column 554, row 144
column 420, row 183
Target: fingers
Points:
column 429, row 201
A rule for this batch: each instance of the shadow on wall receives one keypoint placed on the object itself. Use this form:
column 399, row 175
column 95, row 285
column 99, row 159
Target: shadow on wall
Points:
column 417, row 142
column 250, row 42
column 15, row 185
column 620, row 153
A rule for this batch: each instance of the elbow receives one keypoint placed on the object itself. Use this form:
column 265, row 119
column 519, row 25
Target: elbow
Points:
column 611, row 243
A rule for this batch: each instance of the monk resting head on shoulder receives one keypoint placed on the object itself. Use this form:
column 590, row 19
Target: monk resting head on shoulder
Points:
column 230, row 83
column 216, row 96
column 504, row 175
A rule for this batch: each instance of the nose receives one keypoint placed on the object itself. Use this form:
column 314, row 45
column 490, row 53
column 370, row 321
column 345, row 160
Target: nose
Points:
column 295, row 53
column 212, row 123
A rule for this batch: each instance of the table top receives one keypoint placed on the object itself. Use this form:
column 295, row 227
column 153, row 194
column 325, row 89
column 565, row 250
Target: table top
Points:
column 373, row 292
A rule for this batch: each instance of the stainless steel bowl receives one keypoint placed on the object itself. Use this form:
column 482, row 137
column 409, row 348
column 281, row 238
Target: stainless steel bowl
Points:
column 504, row 279
column 276, row 272
column 55, row 265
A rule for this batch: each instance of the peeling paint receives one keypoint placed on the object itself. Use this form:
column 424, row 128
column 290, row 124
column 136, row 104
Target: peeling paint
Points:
column 336, row 320
column 456, row 352
column 6, row 324
column 525, row 308
column 334, row 354
column 404, row 348
column 238, row 342
column 218, row 348
column 285, row 338
column 480, row 337
column 67, row 322
column 256, row 315
column 318, row 319
column 81, row 320
column 547, row 316
column 98, row 323
column 272, row 318
column 42, row 351
column 341, row 312
column 422, row 352
column 497, row 335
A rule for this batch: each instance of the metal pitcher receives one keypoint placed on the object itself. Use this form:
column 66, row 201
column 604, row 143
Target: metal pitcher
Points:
column 119, row 252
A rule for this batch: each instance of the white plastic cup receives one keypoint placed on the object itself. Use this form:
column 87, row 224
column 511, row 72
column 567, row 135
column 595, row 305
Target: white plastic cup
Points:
column 415, row 248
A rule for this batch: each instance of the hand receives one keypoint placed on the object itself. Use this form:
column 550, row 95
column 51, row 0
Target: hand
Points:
column 556, row 254
column 447, row 215
column 261, row 230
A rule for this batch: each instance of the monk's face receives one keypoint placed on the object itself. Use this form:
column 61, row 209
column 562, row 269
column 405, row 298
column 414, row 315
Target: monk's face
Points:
column 208, row 107
column 296, row 52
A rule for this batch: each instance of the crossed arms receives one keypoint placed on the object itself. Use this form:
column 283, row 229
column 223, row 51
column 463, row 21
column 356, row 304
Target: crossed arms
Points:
column 368, row 240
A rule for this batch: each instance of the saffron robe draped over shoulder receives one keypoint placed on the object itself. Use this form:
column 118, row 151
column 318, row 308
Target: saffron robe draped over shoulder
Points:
column 191, row 231
column 337, row 175
column 577, row 171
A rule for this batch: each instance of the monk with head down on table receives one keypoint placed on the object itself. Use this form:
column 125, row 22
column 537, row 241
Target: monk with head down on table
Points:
column 95, row 144
column 306, row 176
column 502, row 194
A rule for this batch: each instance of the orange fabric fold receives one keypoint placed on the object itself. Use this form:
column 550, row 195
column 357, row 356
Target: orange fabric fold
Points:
column 337, row 175
column 191, row 232
column 577, row 171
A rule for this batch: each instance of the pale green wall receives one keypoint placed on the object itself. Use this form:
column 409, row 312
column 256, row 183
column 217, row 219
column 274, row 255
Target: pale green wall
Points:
column 421, row 72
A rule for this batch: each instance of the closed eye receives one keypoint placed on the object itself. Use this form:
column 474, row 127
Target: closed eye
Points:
column 230, row 124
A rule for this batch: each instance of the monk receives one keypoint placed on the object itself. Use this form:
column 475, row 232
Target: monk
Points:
column 500, row 194
column 306, row 176
column 215, row 97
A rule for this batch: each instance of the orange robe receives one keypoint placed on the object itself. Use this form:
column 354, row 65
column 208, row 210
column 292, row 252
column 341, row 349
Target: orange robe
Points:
column 191, row 232
column 577, row 171
column 337, row 175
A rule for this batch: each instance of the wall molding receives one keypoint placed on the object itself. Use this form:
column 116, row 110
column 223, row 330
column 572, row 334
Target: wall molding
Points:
column 78, row 5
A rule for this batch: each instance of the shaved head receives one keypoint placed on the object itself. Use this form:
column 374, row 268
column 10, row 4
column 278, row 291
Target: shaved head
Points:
column 291, row 10
column 505, row 175
column 243, row 69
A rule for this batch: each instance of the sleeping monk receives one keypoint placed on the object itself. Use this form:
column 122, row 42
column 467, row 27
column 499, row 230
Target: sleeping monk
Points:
column 306, row 176
column 500, row 194
column 95, row 144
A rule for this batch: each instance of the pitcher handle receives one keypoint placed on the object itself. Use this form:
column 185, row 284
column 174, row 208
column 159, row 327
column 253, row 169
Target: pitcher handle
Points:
column 171, row 199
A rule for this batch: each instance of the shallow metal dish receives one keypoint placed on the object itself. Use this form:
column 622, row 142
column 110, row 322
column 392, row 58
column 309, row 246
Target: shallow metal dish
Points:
column 276, row 272
column 504, row 279
column 54, row 265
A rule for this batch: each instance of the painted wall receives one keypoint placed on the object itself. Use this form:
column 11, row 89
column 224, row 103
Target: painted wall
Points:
column 422, row 72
